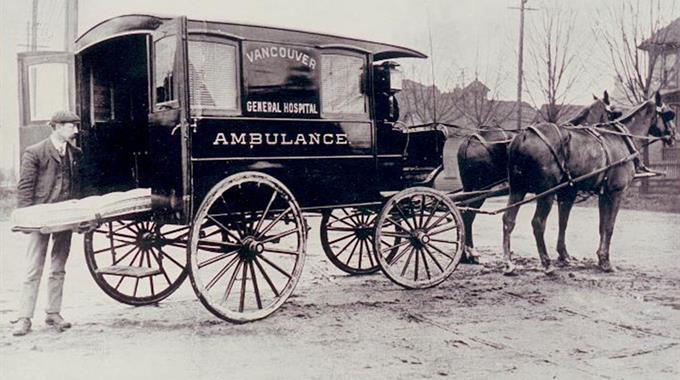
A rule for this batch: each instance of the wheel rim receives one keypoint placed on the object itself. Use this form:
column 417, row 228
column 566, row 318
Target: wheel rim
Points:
column 430, row 228
column 347, row 239
column 150, row 257
column 247, row 247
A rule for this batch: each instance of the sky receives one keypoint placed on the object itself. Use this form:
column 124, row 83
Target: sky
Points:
column 470, row 38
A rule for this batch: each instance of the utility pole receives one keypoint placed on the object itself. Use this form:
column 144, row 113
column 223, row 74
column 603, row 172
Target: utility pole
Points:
column 520, row 71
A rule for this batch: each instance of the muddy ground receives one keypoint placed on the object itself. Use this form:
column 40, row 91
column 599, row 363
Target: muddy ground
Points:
column 580, row 323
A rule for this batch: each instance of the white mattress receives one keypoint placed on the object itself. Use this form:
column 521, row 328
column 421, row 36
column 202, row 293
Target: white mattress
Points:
column 69, row 215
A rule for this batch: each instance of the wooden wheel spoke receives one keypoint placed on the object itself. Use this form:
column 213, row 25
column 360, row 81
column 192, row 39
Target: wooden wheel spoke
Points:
column 397, row 225
column 244, row 278
column 342, row 220
column 394, row 246
column 408, row 260
column 274, row 222
column 437, row 222
column 403, row 216
column 422, row 211
column 341, row 238
column 125, row 255
column 109, row 248
column 160, row 265
column 441, row 252
column 425, row 264
column 351, row 254
column 217, row 258
column 282, row 251
column 444, row 241
column 396, row 256
column 394, row 234
column 266, row 212
column 427, row 250
column 344, row 248
column 442, row 230
column 266, row 277
column 283, row 272
column 342, row 229
column 432, row 213
column 279, row 236
column 256, row 289
column 415, row 271
column 172, row 259
column 221, row 273
column 414, row 215
column 223, row 227
column 232, row 280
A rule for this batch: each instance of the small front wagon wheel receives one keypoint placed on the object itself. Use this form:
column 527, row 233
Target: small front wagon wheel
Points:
column 137, row 262
column 431, row 235
column 246, row 247
column 347, row 239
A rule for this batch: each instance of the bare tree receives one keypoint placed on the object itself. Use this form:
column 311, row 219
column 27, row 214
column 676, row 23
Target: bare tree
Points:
column 479, row 105
column 421, row 103
column 552, row 49
column 629, row 27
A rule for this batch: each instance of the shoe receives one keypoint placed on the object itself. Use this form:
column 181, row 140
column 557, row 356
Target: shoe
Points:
column 23, row 326
column 55, row 320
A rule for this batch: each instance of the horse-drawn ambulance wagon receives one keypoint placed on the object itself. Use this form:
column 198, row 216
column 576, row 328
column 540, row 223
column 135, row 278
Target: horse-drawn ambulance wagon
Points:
column 238, row 131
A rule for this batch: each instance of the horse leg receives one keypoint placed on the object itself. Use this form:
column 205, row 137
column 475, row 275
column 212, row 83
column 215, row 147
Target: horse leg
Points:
column 508, row 225
column 609, row 204
column 470, row 256
column 564, row 204
column 543, row 206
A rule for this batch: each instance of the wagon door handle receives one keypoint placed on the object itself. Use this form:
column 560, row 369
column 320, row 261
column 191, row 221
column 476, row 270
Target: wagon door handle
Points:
column 178, row 126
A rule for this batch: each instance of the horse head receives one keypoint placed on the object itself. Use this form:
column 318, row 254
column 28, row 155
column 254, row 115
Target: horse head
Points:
column 612, row 111
column 662, row 124
column 600, row 111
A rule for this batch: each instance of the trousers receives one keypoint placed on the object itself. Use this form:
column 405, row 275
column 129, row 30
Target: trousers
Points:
column 35, row 262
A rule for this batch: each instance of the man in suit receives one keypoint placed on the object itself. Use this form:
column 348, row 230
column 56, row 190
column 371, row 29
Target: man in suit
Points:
column 48, row 175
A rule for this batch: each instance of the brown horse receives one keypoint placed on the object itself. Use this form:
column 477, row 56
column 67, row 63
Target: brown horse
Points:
column 483, row 157
column 545, row 156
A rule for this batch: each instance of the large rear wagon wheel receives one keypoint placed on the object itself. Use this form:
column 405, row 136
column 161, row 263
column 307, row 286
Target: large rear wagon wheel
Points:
column 347, row 239
column 246, row 247
column 137, row 262
column 431, row 231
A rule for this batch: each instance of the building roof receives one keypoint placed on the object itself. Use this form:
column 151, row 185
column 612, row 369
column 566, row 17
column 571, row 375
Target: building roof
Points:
column 140, row 24
column 664, row 38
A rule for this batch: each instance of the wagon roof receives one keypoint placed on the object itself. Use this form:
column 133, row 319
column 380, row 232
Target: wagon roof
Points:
column 136, row 23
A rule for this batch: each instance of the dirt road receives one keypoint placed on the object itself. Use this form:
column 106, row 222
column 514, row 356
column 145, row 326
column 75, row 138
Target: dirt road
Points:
column 579, row 323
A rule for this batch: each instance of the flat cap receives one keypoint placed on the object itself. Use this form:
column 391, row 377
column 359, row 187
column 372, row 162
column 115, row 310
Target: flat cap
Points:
column 64, row 117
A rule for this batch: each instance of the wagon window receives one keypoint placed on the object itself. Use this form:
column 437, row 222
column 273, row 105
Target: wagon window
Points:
column 164, row 60
column 212, row 75
column 341, row 84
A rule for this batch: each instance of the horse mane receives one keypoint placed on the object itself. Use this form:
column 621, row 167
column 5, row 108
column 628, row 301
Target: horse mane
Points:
column 631, row 113
column 582, row 115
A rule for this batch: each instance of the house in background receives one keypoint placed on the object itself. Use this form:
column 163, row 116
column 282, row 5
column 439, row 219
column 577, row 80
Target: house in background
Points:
column 664, row 45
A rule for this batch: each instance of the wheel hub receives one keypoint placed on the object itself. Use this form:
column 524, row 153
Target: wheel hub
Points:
column 420, row 238
column 251, row 248
column 146, row 239
column 363, row 231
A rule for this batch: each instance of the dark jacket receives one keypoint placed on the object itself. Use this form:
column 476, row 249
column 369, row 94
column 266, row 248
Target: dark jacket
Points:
column 41, row 174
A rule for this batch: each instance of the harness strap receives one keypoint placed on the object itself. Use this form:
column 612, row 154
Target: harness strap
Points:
column 481, row 139
column 625, row 133
column 598, row 137
column 560, row 162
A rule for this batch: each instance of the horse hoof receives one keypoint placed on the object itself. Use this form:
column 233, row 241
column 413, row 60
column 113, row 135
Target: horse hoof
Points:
column 470, row 259
column 549, row 271
column 607, row 268
column 509, row 270
column 563, row 262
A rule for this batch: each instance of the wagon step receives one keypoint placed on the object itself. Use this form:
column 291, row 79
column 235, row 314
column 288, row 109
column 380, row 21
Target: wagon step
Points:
column 129, row 271
column 649, row 174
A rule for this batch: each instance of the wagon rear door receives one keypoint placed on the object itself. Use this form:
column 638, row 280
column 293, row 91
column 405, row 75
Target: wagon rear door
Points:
column 169, row 128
